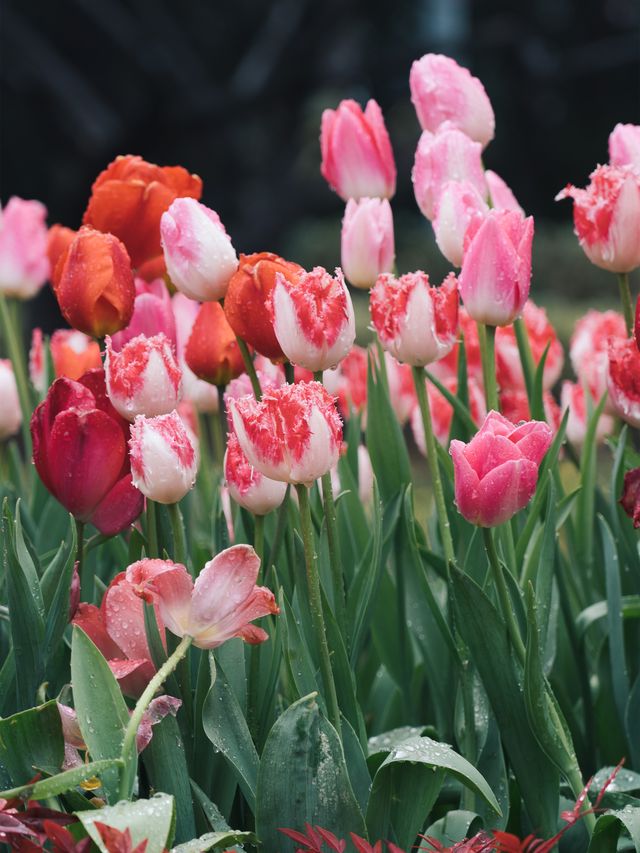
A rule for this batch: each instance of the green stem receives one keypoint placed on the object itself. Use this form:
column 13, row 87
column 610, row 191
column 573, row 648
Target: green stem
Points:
column 250, row 368
column 625, row 298
column 315, row 607
column 152, row 529
column 276, row 544
column 289, row 373
column 469, row 741
column 432, row 459
column 10, row 333
column 218, row 436
column 526, row 356
column 205, row 470
column 254, row 654
column 503, row 595
column 143, row 703
column 80, row 556
column 177, row 528
column 487, row 337
column 258, row 541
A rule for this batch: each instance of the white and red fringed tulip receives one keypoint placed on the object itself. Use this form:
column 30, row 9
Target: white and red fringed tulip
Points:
column 496, row 267
column 152, row 314
column 606, row 217
column 589, row 348
column 10, row 412
column 540, row 333
column 624, row 146
column 247, row 486
column 313, row 319
column 572, row 397
column 294, row 434
column 24, row 264
column 220, row 605
column 197, row 250
column 368, row 247
column 623, row 379
column 357, row 158
column 449, row 155
column 164, row 457
column 416, row 323
column 444, row 92
column 501, row 194
column 143, row 378
column 458, row 203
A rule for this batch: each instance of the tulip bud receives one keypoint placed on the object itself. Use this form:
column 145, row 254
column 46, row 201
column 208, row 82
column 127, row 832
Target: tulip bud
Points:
column 10, row 412
column 630, row 500
column 502, row 197
column 496, row 267
column 212, row 352
column 24, row 265
column 164, row 459
column 293, row 434
column 143, row 378
column 367, row 241
column 152, row 314
column 623, row 379
column 416, row 323
column 197, row 250
column 444, row 92
column 313, row 318
column 573, row 398
column 357, row 158
column 589, row 348
column 93, row 284
column 247, row 486
column 624, row 146
column 496, row 473
column 540, row 333
column 457, row 204
column 606, row 217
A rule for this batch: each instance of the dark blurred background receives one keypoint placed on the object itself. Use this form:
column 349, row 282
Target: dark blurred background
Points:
column 234, row 91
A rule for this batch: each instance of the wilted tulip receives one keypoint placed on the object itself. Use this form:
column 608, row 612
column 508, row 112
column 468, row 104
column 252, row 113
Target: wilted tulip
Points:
column 212, row 352
column 164, row 458
column 624, row 146
column 367, row 241
column 24, row 265
column 540, row 333
column 10, row 412
column 623, row 379
column 458, row 203
column 247, row 486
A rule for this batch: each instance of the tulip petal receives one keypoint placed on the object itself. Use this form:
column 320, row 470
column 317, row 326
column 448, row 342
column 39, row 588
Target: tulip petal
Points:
column 260, row 602
column 132, row 675
column 118, row 508
column 223, row 585
column 170, row 585
column 123, row 614
column 466, row 481
column 90, row 619
column 505, row 490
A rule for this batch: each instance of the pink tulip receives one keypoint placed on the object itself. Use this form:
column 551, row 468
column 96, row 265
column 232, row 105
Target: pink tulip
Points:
column 606, row 217
column 152, row 314
column 197, row 250
column 10, row 412
column 624, row 146
column 514, row 405
column 313, row 319
column 247, row 486
column 348, row 382
column 589, row 348
column 540, row 333
column 203, row 395
column 502, row 197
column 143, row 378
column 495, row 474
column 442, row 412
column 219, row 606
column 416, row 323
column 357, row 158
column 402, row 391
column 164, row 457
column 367, row 241
column 573, row 398
column 496, row 267
column 293, row 434
column 623, row 379
column 444, row 92
column 458, row 203
column 24, row 265
column 449, row 155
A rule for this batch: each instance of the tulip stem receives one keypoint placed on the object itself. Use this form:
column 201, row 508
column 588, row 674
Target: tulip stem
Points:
column 315, row 606
column 177, row 528
column 526, row 356
column 10, row 334
column 276, row 543
column 419, row 380
column 254, row 653
column 141, row 706
column 487, row 336
column 289, row 373
column 627, row 304
column 250, row 368
column 503, row 595
column 218, row 433
column 80, row 554
column 152, row 529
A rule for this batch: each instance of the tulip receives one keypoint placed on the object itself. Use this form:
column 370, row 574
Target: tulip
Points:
column 244, row 304
column 219, row 606
column 247, row 486
column 143, row 378
column 495, row 474
column 164, row 459
column 241, row 386
column 93, row 284
column 540, row 333
column 442, row 412
column 203, row 395
column 24, row 265
column 444, row 92
column 357, row 158
column 197, row 250
column 514, row 405
column 80, row 453
column 74, row 353
column 606, row 217
column 10, row 411
column 624, row 146
column 313, row 318
column 630, row 500
column 589, row 348
column 348, row 382
column 458, row 203
column 496, row 267
column 502, row 197
column 416, row 323
column 447, row 367
column 367, row 241
column 59, row 238
column 212, row 352
column 36, row 361
column 446, row 156
column 402, row 391
column 572, row 397
column 128, row 199
column 293, row 434
column 152, row 314
column 623, row 379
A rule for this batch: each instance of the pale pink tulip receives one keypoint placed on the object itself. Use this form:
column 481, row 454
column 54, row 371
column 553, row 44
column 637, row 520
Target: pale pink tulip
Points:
column 501, row 194
column 624, row 146
column 367, row 241
column 458, row 203
column 24, row 264
column 152, row 314
column 10, row 412
column 164, row 458
column 247, row 486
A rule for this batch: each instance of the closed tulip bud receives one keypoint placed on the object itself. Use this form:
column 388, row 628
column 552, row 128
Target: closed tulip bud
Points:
column 416, row 323
column 624, row 146
column 143, row 378
column 444, row 92
column 164, row 458
column 24, row 265
column 589, row 348
column 630, row 500
column 496, row 267
column 623, row 379
column 357, row 158
column 572, row 397
column 541, row 334
column 313, row 318
column 152, row 314
column 244, row 304
column 606, row 217
column 212, row 352
column 496, row 473
column 93, row 284
column 10, row 412
column 197, row 250
column 294, row 434
column 367, row 241
column 458, row 203
column 502, row 197
column 247, row 486
column 73, row 353
column 59, row 238
column 446, row 156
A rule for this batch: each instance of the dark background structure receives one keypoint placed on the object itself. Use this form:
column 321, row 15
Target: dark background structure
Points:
column 234, row 91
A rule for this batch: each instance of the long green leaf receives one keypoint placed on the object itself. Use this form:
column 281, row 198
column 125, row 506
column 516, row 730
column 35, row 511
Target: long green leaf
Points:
column 62, row 782
column 31, row 740
column 617, row 656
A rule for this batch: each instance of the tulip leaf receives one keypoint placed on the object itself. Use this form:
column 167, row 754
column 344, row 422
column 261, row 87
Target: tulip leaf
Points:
column 609, row 826
column 632, row 723
column 61, row 782
column 585, row 504
column 629, row 609
column 536, row 401
column 31, row 740
column 617, row 658
column 215, row 840
column 151, row 819
column 58, row 614
column 460, row 410
column 455, row 826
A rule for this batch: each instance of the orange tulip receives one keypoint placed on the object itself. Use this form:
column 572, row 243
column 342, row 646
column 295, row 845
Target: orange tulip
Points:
column 212, row 352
